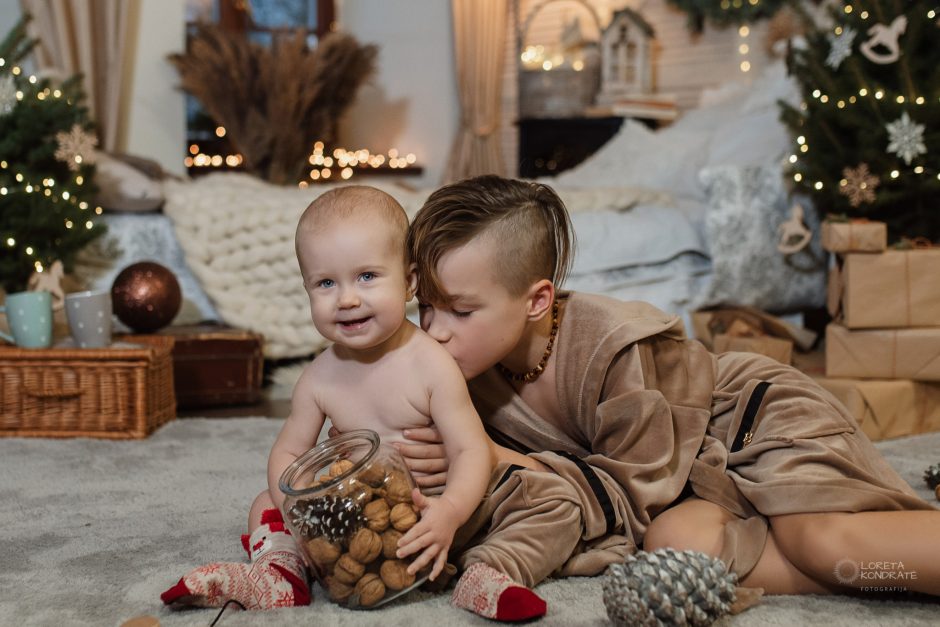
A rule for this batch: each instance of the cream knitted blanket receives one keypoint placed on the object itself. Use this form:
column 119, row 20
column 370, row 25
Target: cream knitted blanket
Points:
column 237, row 234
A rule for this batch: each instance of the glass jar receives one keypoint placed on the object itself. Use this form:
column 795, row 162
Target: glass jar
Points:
column 348, row 501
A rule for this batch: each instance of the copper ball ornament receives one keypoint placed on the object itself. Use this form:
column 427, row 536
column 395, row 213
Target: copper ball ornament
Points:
column 146, row 296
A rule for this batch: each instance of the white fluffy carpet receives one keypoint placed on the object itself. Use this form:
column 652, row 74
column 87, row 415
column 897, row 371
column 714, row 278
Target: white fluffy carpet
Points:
column 96, row 530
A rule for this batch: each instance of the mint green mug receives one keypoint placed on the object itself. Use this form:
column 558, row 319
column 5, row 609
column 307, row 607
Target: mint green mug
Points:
column 29, row 315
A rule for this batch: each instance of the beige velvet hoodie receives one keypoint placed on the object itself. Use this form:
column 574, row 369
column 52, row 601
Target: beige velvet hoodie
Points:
column 658, row 416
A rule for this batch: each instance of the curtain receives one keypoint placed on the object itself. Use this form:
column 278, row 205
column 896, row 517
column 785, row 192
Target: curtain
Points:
column 90, row 37
column 479, row 44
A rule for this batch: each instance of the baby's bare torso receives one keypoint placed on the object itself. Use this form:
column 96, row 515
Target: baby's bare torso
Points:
column 387, row 396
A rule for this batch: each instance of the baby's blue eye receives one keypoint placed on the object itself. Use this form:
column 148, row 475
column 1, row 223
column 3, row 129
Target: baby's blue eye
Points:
column 326, row 283
column 367, row 276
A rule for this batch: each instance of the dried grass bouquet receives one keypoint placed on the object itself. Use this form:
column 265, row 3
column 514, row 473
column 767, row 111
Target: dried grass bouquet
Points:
column 274, row 102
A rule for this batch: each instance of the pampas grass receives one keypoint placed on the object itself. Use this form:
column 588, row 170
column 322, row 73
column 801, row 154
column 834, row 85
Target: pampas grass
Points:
column 274, row 102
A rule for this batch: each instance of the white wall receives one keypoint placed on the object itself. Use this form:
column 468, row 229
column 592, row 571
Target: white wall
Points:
column 411, row 103
column 156, row 119
column 9, row 13
column 157, row 116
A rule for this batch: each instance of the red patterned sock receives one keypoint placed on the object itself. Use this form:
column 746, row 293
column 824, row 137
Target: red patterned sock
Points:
column 276, row 576
column 485, row 591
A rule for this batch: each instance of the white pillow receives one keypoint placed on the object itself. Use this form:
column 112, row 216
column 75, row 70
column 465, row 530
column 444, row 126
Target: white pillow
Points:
column 638, row 157
column 755, row 136
column 746, row 205
column 125, row 188
column 754, row 139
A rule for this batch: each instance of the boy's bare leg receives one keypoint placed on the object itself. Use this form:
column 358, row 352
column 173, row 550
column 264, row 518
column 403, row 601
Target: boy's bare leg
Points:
column 894, row 550
column 698, row 525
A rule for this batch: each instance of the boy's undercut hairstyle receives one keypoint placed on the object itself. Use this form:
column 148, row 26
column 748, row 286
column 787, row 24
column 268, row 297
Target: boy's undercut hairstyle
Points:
column 353, row 202
column 527, row 222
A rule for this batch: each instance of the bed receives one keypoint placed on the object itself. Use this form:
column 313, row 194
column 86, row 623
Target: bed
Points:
column 682, row 218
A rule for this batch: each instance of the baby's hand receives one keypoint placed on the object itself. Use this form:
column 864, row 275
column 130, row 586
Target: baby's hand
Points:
column 433, row 533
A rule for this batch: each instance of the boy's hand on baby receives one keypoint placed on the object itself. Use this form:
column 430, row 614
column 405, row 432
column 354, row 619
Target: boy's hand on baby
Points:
column 433, row 533
column 427, row 458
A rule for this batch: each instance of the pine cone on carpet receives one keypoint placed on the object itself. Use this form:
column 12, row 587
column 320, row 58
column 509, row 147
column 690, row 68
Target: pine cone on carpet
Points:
column 668, row 587
column 932, row 476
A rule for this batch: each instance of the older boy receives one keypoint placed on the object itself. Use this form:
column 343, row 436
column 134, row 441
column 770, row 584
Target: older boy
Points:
column 788, row 487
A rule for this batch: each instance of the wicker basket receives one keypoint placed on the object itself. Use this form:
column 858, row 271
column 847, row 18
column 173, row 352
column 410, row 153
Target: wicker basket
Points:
column 121, row 392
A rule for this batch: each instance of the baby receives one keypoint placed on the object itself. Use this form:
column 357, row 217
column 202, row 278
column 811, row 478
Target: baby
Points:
column 382, row 372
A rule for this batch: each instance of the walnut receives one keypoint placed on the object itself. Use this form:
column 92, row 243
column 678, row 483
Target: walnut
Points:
column 397, row 490
column 374, row 475
column 370, row 590
column 323, row 552
column 390, row 543
column 365, row 546
column 376, row 514
column 348, row 570
column 395, row 574
column 338, row 590
column 340, row 466
column 403, row 517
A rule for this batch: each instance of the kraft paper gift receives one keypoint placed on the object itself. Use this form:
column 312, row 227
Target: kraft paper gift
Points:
column 888, row 409
column 854, row 236
column 707, row 323
column 893, row 289
column 883, row 353
column 775, row 348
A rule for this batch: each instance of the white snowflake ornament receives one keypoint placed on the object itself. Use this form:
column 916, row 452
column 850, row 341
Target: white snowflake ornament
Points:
column 906, row 138
column 858, row 184
column 840, row 47
column 7, row 94
column 76, row 147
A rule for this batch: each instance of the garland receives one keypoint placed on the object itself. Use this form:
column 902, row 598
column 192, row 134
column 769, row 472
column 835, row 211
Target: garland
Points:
column 727, row 12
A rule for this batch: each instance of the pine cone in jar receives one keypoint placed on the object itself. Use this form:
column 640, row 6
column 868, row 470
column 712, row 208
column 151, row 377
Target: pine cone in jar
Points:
column 377, row 515
column 338, row 590
column 348, row 570
column 395, row 574
column 403, row 517
column 370, row 590
column 390, row 543
column 365, row 546
column 323, row 552
column 397, row 490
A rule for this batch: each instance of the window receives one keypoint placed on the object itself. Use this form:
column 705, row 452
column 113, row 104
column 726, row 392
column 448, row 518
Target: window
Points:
column 261, row 21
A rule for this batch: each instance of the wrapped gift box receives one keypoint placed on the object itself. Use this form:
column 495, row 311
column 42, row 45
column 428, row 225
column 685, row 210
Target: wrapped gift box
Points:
column 893, row 289
column 707, row 323
column 854, row 236
column 883, row 353
column 888, row 409
column 775, row 348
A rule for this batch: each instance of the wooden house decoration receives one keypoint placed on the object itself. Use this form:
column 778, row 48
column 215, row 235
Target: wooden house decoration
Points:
column 626, row 61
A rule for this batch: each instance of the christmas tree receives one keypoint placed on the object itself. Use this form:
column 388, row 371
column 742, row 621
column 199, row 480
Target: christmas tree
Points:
column 727, row 12
column 867, row 134
column 46, row 168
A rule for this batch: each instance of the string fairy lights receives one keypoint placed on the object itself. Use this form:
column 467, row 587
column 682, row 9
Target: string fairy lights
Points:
column 341, row 162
